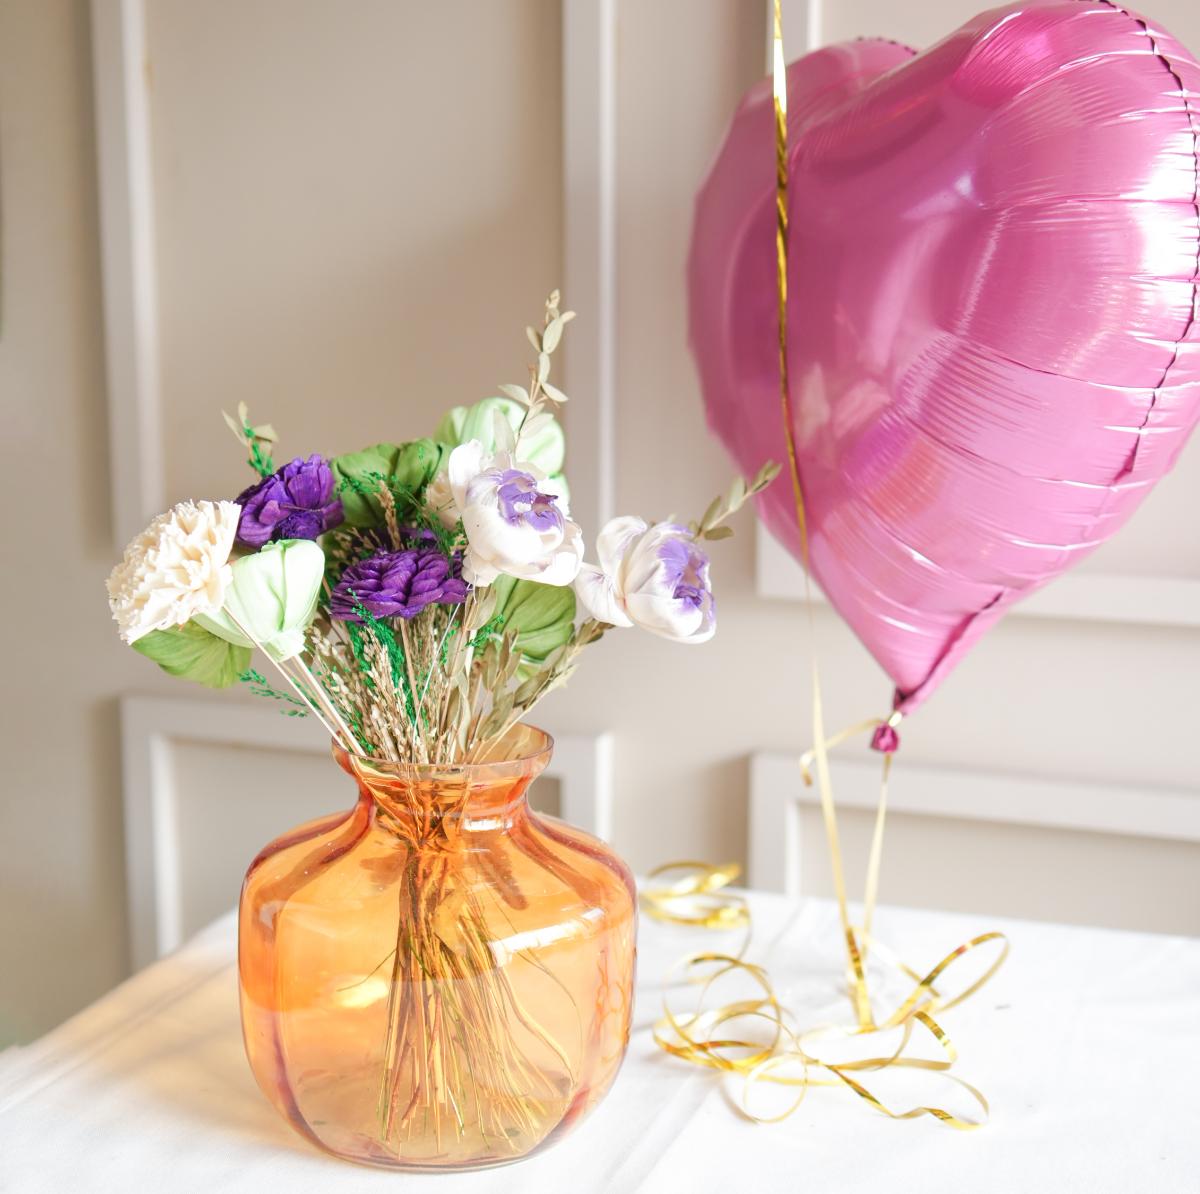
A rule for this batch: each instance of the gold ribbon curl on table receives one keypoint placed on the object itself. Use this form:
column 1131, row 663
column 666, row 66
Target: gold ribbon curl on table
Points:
column 695, row 894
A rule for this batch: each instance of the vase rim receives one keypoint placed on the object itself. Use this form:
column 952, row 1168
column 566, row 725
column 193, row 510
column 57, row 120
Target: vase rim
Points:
column 532, row 745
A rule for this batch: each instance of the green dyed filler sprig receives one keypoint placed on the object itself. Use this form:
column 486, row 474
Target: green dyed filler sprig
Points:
column 494, row 626
column 386, row 637
column 258, row 685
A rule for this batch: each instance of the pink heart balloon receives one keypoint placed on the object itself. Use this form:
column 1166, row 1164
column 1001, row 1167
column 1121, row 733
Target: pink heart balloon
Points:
column 992, row 334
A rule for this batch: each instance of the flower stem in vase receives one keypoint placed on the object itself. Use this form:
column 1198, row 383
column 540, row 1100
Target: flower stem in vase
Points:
column 460, row 1053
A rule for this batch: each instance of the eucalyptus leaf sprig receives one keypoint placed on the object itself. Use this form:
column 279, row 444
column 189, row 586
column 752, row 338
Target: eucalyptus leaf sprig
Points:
column 711, row 525
column 540, row 393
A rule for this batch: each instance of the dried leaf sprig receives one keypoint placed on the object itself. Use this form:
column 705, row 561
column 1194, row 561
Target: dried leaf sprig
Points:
column 258, row 440
column 540, row 394
column 711, row 525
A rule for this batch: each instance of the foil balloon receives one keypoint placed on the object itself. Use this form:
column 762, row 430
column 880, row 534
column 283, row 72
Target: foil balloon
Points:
column 992, row 335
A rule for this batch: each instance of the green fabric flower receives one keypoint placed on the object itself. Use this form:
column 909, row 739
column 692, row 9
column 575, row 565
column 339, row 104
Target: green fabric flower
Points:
column 194, row 653
column 407, row 467
column 542, row 616
column 273, row 594
column 547, row 449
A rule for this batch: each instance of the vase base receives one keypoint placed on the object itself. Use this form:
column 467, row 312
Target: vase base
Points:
column 410, row 1167
column 375, row 1156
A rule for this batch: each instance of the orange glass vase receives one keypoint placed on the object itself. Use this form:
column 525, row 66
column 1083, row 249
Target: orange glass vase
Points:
column 440, row 978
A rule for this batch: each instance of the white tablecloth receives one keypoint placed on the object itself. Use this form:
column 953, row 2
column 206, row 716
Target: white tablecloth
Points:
column 1086, row 1043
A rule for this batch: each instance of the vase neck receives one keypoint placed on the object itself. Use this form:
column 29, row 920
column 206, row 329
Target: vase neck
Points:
column 446, row 813
column 424, row 801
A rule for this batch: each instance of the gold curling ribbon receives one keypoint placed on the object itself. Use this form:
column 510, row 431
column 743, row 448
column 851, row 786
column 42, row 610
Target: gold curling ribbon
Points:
column 694, row 894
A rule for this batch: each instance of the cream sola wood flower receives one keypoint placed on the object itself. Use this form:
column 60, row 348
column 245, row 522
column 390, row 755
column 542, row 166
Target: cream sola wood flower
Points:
column 176, row 568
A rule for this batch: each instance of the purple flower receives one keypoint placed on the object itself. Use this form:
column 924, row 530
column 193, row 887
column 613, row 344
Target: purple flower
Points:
column 397, row 584
column 296, row 502
column 414, row 534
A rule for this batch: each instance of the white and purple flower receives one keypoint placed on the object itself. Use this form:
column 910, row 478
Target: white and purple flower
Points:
column 515, row 519
column 655, row 577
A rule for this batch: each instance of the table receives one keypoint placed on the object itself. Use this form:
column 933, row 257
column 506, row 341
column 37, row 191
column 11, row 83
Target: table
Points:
column 1086, row 1043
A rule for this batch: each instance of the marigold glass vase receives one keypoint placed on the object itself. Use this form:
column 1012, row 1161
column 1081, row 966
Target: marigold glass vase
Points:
column 441, row 978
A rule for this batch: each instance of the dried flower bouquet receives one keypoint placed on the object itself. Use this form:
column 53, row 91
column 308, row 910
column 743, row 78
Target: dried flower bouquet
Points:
column 418, row 598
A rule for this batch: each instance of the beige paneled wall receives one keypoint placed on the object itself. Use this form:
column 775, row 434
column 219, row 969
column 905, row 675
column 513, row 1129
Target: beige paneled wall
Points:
column 1062, row 875
column 358, row 209
column 358, row 212
column 61, row 883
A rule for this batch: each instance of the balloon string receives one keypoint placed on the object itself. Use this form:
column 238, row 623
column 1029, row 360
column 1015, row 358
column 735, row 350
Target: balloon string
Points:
column 857, row 940
column 875, row 857
column 696, row 897
column 779, row 93
column 858, row 990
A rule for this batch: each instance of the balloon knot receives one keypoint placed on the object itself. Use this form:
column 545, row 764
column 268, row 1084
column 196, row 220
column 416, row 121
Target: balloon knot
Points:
column 885, row 739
